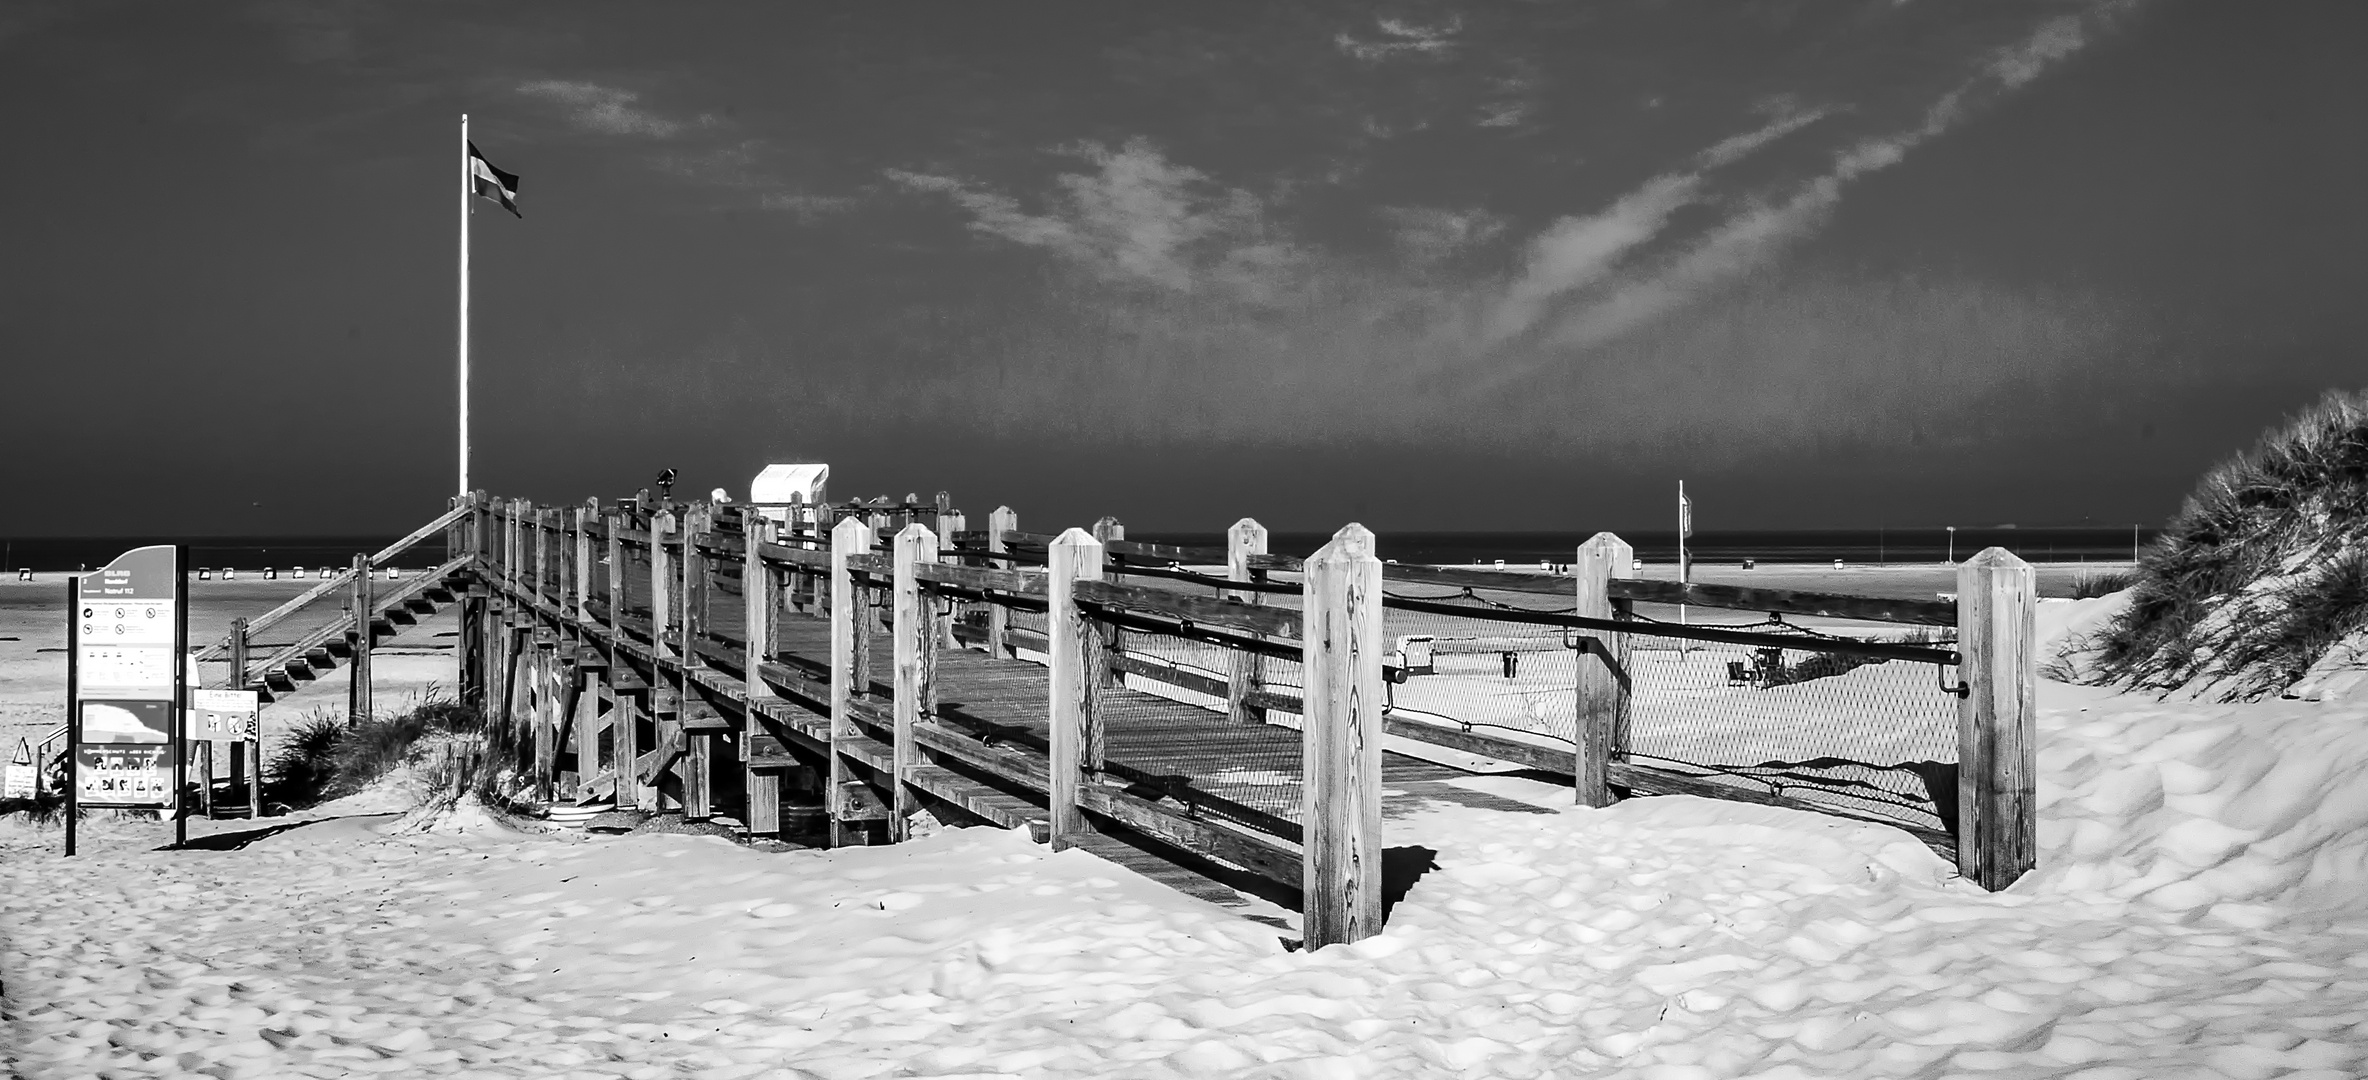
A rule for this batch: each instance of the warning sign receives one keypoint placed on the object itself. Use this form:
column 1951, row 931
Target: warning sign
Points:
column 17, row 781
column 223, row 715
column 123, row 775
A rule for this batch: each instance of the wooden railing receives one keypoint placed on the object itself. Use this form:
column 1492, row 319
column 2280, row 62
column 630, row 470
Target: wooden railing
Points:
column 569, row 569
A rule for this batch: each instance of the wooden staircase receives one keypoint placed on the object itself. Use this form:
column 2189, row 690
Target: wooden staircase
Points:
column 319, row 652
column 289, row 667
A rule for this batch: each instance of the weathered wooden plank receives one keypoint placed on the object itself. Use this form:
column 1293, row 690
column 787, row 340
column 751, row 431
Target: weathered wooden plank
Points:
column 1271, row 856
column 1546, row 758
column 1015, row 582
column 915, row 654
column 849, row 540
column 1075, row 679
column 1789, row 602
column 1602, row 685
column 1341, row 740
column 1003, row 520
column 1245, row 670
column 1205, row 610
column 1997, row 737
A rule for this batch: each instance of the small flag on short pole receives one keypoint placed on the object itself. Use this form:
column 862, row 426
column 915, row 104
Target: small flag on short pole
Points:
column 492, row 183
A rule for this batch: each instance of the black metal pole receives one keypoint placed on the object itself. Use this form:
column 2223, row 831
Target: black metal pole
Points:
column 180, row 694
column 73, row 706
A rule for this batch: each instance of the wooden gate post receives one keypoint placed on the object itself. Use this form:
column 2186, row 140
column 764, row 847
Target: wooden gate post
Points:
column 849, row 619
column 916, row 635
column 1001, row 521
column 760, row 599
column 585, row 515
column 1602, row 690
column 1248, row 673
column 661, row 584
column 1106, row 530
column 1997, row 736
column 249, row 752
column 1076, row 679
column 949, row 523
column 357, row 697
column 1341, row 738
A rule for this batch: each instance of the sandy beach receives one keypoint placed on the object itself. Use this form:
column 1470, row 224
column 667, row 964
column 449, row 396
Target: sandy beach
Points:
column 2195, row 913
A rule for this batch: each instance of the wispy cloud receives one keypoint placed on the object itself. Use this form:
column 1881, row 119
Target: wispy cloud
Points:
column 608, row 110
column 1136, row 217
column 1750, row 239
column 1184, row 306
column 1399, row 38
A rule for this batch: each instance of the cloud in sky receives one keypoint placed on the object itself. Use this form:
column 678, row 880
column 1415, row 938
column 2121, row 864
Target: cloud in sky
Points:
column 608, row 110
column 1137, row 218
column 1400, row 38
column 1178, row 285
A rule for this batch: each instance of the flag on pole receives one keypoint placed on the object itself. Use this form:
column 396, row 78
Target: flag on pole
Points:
column 492, row 183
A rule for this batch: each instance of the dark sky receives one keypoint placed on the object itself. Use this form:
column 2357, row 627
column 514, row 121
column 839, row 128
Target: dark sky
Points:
column 1429, row 266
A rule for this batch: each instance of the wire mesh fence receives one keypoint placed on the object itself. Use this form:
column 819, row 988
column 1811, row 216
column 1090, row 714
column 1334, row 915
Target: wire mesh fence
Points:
column 1798, row 710
column 1167, row 730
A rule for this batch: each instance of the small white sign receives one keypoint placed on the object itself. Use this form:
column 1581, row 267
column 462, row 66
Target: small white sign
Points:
column 223, row 715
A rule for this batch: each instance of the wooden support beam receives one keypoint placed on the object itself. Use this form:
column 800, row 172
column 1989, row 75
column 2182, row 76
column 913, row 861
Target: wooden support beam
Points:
column 1997, row 736
column 1077, row 669
column 580, row 526
column 760, row 599
column 848, row 628
column 662, row 585
column 358, row 701
column 1341, row 737
column 1246, row 674
column 699, row 523
column 1602, row 685
column 1004, row 519
column 916, row 634
column 1106, row 530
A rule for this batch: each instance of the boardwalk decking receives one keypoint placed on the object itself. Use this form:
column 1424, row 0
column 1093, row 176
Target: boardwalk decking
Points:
column 989, row 739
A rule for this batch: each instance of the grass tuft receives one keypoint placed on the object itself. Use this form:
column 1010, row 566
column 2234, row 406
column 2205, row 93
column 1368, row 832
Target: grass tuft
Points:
column 324, row 757
column 2264, row 567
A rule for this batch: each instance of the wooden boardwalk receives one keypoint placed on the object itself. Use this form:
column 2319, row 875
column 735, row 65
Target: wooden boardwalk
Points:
column 989, row 744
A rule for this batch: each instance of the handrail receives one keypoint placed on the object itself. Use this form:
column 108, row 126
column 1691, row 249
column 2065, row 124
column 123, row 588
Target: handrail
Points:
column 379, row 606
column 442, row 522
column 1019, row 582
column 1203, row 610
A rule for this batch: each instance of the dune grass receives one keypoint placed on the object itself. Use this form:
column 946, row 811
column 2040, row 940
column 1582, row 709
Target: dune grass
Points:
column 326, row 757
column 2264, row 567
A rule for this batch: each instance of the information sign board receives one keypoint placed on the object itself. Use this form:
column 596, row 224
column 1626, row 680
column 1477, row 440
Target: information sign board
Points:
column 127, row 622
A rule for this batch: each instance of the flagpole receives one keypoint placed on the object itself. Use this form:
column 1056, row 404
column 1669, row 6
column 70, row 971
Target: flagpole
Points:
column 465, row 184
column 1685, row 525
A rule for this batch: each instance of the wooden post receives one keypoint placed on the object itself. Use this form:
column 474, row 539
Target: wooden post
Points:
column 916, row 666
column 240, row 752
column 623, row 739
column 539, row 520
column 1113, row 640
column 1341, row 738
column 1003, row 520
column 1603, row 689
column 1248, row 673
column 357, row 698
column 1997, row 736
column 582, row 524
column 698, row 523
column 661, row 584
column 1076, row 679
column 948, row 524
column 760, row 595
column 848, row 624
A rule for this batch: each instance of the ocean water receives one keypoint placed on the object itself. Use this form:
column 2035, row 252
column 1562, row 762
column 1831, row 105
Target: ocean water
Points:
column 1454, row 548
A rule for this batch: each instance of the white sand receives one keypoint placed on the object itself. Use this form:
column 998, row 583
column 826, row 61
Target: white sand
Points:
column 2198, row 912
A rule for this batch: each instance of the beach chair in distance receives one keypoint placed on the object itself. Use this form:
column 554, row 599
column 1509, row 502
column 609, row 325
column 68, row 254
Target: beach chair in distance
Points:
column 1739, row 673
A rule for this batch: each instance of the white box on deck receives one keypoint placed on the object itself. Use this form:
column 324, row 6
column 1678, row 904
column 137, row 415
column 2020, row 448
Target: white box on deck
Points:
column 779, row 485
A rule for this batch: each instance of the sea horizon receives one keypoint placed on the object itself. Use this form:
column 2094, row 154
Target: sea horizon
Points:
column 1856, row 546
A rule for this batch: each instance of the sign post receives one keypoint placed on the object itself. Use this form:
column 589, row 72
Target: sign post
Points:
column 127, row 688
